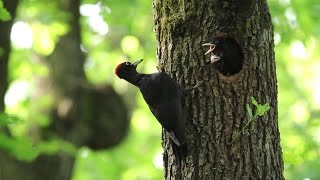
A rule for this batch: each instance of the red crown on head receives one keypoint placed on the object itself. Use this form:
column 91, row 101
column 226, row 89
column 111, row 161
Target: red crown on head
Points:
column 116, row 70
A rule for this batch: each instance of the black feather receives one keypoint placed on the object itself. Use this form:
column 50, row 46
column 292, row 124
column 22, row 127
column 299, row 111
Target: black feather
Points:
column 165, row 99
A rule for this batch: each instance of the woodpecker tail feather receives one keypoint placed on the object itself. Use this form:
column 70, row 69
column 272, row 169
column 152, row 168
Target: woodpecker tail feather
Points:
column 180, row 152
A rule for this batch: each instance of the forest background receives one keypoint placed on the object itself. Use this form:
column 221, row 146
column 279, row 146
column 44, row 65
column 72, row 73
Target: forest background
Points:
column 116, row 31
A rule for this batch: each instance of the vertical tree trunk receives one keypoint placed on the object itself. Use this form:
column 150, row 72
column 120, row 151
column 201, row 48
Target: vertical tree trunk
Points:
column 5, row 45
column 214, row 120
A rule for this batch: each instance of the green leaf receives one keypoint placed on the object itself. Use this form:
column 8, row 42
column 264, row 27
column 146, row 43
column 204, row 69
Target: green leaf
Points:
column 6, row 119
column 4, row 14
column 55, row 146
column 253, row 101
column 249, row 110
column 266, row 107
column 21, row 148
column 261, row 109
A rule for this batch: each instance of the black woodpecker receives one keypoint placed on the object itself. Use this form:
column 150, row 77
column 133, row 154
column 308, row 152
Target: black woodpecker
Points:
column 165, row 99
column 225, row 54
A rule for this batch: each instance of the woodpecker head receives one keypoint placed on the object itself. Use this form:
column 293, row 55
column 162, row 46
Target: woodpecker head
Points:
column 126, row 69
column 217, row 48
column 226, row 54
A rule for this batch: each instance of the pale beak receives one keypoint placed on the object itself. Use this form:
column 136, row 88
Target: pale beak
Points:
column 135, row 64
column 212, row 47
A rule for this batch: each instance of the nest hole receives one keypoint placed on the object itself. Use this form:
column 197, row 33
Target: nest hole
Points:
column 232, row 62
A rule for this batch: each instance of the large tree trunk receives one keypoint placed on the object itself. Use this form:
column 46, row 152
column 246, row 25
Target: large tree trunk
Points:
column 215, row 119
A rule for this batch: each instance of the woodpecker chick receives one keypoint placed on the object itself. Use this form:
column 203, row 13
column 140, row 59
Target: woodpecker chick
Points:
column 165, row 99
column 225, row 54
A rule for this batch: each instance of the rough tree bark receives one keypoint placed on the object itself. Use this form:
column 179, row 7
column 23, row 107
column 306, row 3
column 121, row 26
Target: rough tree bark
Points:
column 213, row 120
column 84, row 115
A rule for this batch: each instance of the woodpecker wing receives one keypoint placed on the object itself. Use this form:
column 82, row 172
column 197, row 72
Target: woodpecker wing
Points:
column 164, row 98
column 170, row 116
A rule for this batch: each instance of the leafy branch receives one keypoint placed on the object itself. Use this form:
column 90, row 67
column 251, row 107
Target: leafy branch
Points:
column 24, row 149
column 260, row 111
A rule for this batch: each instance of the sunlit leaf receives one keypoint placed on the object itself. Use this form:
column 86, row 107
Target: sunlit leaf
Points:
column 254, row 102
column 4, row 14
column 23, row 148
column 261, row 109
column 20, row 148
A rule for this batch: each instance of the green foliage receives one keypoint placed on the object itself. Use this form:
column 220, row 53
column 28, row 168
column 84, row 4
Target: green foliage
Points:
column 260, row 110
column 6, row 119
column 130, row 37
column 23, row 148
column 297, row 41
column 4, row 14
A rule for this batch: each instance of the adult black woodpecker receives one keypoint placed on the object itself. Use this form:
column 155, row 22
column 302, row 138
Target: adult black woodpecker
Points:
column 165, row 99
column 225, row 54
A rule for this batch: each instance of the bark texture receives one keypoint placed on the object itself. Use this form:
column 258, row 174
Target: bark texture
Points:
column 214, row 119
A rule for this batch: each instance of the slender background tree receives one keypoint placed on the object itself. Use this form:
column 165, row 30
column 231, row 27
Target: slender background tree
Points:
column 81, row 114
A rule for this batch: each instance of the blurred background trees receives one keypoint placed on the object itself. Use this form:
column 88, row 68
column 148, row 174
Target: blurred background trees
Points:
column 61, row 95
